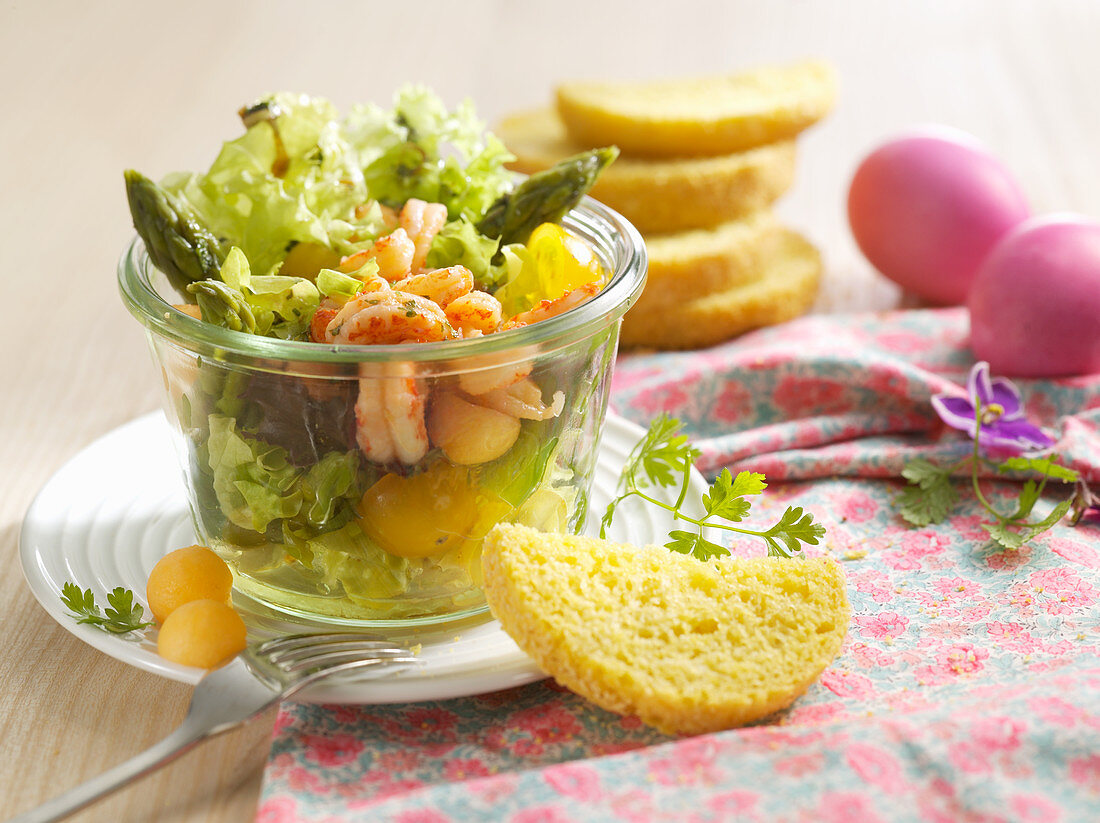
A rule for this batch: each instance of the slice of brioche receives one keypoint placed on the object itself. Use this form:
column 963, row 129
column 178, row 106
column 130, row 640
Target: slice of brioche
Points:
column 786, row 288
column 699, row 116
column 687, row 646
column 660, row 195
column 691, row 264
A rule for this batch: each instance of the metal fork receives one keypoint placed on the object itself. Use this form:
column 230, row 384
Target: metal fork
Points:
column 263, row 674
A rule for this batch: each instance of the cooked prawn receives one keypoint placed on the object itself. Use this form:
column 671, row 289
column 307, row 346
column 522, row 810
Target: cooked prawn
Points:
column 394, row 254
column 422, row 221
column 480, row 381
column 389, row 418
column 545, row 309
column 389, row 317
column 443, row 286
column 474, row 313
column 522, row 399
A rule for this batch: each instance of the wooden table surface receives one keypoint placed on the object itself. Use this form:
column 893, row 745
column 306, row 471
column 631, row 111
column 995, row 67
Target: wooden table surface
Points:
column 91, row 89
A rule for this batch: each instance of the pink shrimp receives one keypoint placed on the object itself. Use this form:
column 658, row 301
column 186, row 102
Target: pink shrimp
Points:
column 546, row 309
column 522, row 399
column 474, row 313
column 393, row 253
column 389, row 418
column 389, row 317
column 422, row 221
column 443, row 286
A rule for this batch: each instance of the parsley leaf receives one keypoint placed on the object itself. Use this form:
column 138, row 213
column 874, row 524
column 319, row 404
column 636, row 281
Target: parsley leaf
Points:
column 122, row 615
column 664, row 457
column 930, row 495
column 794, row 527
column 726, row 497
column 659, row 456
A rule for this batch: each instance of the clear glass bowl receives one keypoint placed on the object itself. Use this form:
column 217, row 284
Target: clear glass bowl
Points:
column 315, row 525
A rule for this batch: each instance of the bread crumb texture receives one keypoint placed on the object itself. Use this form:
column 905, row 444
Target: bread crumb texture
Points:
column 686, row 646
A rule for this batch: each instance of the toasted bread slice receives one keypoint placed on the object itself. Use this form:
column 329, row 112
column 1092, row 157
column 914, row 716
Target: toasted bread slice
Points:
column 660, row 195
column 699, row 116
column 687, row 646
column 690, row 264
column 790, row 269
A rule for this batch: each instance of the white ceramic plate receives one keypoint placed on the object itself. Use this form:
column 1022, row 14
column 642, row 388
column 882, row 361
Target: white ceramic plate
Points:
column 116, row 508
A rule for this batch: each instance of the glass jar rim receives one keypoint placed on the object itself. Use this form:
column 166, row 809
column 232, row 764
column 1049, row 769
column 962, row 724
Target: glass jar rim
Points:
column 612, row 236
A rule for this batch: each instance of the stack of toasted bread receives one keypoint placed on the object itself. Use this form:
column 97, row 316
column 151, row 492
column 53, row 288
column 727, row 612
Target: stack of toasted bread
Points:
column 702, row 162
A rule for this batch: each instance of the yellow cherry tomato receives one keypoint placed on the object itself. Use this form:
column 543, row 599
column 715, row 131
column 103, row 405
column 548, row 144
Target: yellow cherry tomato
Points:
column 420, row 516
column 563, row 262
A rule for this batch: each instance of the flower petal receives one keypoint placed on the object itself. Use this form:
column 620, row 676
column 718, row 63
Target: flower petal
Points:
column 1005, row 393
column 1018, row 432
column 978, row 388
column 956, row 412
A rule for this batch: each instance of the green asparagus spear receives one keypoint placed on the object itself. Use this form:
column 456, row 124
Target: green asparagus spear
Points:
column 178, row 244
column 223, row 305
column 544, row 197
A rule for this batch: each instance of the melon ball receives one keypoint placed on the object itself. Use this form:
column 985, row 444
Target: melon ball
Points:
column 191, row 573
column 201, row 633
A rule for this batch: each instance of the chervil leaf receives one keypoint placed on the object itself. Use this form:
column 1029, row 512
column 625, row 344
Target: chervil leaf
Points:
column 1043, row 465
column 931, row 494
column 79, row 602
column 663, row 454
column 695, row 544
column 660, row 457
column 121, row 617
column 682, row 541
column 1004, row 536
column 726, row 496
column 605, row 522
column 793, row 529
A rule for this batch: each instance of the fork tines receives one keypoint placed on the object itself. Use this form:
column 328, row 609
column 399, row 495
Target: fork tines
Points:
column 300, row 652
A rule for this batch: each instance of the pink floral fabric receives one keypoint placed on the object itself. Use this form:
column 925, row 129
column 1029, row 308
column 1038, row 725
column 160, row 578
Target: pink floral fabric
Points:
column 969, row 685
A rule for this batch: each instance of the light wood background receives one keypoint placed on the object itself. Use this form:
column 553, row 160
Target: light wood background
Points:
column 89, row 89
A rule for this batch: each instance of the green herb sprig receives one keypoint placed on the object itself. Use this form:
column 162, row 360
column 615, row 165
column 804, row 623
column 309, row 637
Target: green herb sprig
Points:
column 931, row 496
column 121, row 616
column 664, row 458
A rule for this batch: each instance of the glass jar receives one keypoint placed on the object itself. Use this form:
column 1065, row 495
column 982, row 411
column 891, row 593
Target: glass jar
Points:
column 354, row 484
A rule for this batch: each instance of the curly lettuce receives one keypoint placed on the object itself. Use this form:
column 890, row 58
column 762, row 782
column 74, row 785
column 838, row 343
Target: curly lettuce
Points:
column 419, row 149
column 256, row 485
column 290, row 178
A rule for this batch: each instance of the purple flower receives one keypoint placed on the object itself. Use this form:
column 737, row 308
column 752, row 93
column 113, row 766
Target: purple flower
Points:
column 1004, row 426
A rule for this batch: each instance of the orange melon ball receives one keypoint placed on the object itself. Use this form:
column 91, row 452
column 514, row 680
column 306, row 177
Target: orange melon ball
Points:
column 202, row 633
column 192, row 573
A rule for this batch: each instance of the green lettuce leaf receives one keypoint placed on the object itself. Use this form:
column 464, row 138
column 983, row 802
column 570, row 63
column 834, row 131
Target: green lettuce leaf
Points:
column 349, row 559
column 459, row 244
column 419, row 149
column 256, row 485
column 291, row 177
column 333, row 283
column 253, row 482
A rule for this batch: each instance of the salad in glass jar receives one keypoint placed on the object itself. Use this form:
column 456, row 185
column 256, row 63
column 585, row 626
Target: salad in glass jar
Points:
column 377, row 344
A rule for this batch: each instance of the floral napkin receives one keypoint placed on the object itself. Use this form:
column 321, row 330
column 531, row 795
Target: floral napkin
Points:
column 968, row 687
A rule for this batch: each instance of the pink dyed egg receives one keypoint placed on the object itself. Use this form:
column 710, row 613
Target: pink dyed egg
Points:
column 926, row 208
column 1035, row 302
